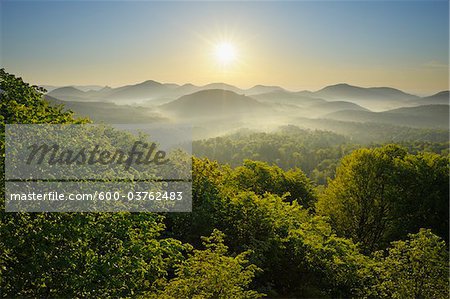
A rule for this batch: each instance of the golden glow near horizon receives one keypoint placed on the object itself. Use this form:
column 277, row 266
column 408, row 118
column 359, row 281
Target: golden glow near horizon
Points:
column 268, row 43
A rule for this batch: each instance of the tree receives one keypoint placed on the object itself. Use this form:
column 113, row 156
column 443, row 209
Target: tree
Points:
column 378, row 195
column 423, row 181
column 210, row 273
column 84, row 254
column 414, row 268
column 24, row 104
column 75, row 254
column 260, row 177
column 382, row 194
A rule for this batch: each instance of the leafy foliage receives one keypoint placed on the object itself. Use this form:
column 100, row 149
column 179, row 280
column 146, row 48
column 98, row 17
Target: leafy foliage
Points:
column 261, row 178
column 75, row 254
column 84, row 255
column 210, row 273
column 287, row 242
column 314, row 152
column 265, row 234
column 383, row 194
column 414, row 268
column 23, row 104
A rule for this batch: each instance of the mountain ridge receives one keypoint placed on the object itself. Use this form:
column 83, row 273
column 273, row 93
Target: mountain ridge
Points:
column 153, row 93
column 212, row 103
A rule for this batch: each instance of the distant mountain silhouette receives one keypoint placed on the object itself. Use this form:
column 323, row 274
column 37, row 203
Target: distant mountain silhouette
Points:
column 186, row 89
column 88, row 87
column 218, row 110
column 108, row 112
column 68, row 93
column 171, row 85
column 287, row 97
column 349, row 92
column 427, row 110
column 223, row 86
column 429, row 116
column 49, row 88
column 335, row 106
column 438, row 98
column 142, row 91
column 153, row 93
column 212, row 102
column 259, row 89
column 377, row 98
column 80, row 87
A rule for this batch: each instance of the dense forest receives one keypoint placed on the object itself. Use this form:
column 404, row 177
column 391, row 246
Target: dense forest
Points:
column 293, row 213
column 317, row 153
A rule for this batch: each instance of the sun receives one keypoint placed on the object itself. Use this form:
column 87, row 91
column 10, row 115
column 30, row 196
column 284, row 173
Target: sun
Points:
column 225, row 53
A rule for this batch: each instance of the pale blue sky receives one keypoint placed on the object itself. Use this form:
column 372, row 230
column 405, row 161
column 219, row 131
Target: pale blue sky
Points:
column 296, row 44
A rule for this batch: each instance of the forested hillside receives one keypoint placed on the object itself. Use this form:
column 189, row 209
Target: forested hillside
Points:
column 260, row 226
column 315, row 152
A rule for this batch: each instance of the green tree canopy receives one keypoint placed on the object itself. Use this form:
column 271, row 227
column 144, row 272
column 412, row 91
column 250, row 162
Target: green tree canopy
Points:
column 414, row 268
column 382, row 194
column 210, row 273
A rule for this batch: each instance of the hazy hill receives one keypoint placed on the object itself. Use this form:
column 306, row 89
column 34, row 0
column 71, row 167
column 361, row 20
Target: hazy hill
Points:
column 349, row 92
column 305, row 93
column 335, row 106
column 425, row 110
column 142, row 91
column 80, row 87
column 286, row 97
column 68, row 93
column 222, row 86
column 370, row 132
column 310, row 106
column 109, row 112
column 212, row 103
column 171, row 85
column 103, row 92
column 439, row 98
column 185, row 89
column 258, row 89
column 49, row 88
column 429, row 116
column 88, row 87
column 378, row 98
column 71, row 93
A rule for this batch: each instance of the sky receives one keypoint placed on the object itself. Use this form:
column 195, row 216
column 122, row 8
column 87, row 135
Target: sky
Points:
column 295, row 44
